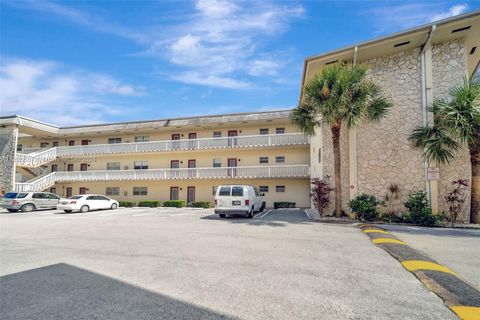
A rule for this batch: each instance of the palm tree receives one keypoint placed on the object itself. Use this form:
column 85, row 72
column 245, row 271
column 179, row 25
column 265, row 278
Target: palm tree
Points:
column 456, row 123
column 339, row 95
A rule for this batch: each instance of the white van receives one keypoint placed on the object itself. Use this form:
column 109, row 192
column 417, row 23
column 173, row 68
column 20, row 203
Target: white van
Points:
column 238, row 199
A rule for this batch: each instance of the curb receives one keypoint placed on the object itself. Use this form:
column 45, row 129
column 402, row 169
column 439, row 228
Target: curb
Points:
column 459, row 296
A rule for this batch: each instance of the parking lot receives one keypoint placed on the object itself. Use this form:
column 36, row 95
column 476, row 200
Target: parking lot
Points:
column 167, row 263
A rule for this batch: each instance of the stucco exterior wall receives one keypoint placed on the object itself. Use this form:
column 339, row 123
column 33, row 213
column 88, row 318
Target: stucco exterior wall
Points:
column 384, row 155
column 449, row 62
column 8, row 140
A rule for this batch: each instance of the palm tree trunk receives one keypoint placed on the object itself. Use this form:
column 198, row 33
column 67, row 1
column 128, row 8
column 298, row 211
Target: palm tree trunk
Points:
column 475, row 191
column 336, row 166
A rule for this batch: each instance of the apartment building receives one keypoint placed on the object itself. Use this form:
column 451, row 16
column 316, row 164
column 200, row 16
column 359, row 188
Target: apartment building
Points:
column 169, row 159
column 187, row 158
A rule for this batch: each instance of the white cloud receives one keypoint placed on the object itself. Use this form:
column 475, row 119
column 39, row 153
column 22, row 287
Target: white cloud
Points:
column 48, row 91
column 210, row 80
column 388, row 18
column 453, row 11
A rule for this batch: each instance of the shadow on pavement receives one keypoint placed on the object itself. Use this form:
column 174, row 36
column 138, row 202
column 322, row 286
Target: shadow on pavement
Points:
column 439, row 232
column 62, row 291
column 274, row 218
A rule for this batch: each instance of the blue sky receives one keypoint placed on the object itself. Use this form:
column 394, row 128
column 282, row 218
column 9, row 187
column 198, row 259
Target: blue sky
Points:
column 75, row 62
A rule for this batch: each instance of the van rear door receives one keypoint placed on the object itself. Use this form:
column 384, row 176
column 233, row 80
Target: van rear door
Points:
column 239, row 194
column 223, row 197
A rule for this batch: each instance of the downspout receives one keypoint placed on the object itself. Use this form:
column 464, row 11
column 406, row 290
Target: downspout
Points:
column 352, row 150
column 425, row 103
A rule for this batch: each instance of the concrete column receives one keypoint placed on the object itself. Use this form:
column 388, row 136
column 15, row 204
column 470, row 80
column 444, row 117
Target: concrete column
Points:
column 8, row 148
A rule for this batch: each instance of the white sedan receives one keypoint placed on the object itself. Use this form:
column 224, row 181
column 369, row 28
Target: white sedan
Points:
column 86, row 202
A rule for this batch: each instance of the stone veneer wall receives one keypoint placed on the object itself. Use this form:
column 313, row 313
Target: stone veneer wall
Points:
column 8, row 140
column 449, row 63
column 384, row 155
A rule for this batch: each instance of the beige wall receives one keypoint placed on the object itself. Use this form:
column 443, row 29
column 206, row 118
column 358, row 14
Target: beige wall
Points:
column 296, row 190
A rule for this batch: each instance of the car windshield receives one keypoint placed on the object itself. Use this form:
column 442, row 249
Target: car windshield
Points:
column 237, row 191
column 76, row 197
column 224, row 191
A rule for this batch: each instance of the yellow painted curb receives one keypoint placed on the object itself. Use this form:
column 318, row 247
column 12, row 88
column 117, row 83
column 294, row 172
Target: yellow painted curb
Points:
column 375, row 231
column 387, row 240
column 467, row 313
column 412, row 265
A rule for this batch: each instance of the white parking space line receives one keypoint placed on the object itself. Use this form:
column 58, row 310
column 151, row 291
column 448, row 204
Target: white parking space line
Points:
column 264, row 214
column 153, row 213
column 44, row 213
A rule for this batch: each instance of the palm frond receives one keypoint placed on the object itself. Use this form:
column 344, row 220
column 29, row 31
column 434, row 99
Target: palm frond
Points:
column 436, row 143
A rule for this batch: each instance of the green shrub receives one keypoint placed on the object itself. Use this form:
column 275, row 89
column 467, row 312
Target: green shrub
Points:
column 419, row 211
column 126, row 204
column 174, row 203
column 283, row 204
column 149, row 203
column 201, row 204
column 365, row 207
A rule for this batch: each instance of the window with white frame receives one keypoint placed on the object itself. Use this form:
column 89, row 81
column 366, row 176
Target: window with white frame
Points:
column 280, row 159
column 217, row 134
column 140, row 165
column 280, row 188
column 140, row 191
column 263, row 189
column 264, row 131
column 113, row 165
column 263, row 159
column 142, row 138
column 280, row 130
column 112, row 191
column 114, row 140
column 217, row 163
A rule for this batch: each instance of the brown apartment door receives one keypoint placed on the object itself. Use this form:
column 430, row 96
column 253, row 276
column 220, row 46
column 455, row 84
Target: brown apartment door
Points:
column 70, row 167
column 175, row 164
column 190, row 195
column 69, row 192
column 83, row 167
column 71, row 142
column 192, row 144
column 175, row 143
column 192, row 164
column 232, row 140
column 174, row 193
column 232, row 164
column 84, row 142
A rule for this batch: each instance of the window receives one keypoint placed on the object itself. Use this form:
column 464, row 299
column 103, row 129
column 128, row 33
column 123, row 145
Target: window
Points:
column 19, row 147
column 237, row 191
column 140, row 165
column 280, row 159
column 54, row 167
column 174, row 164
column 280, row 130
column 69, row 192
column 263, row 159
column 71, row 142
column 280, row 188
column 264, row 131
column 174, row 193
column 82, row 190
column 224, row 191
column 140, row 191
column 217, row 163
column 53, row 190
column 55, row 143
column 114, row 140
column 214, row 190
column 43, row 144
column 176, row 136
column 112, row 191
column 142, row 138
column 38, row 196
column 83, row 167
column 113, row 165
column 217, row 134
column 263, row 188
column 70, row 167
column 51, row 196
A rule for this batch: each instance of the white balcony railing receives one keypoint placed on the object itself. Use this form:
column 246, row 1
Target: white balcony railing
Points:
column 42, row 157
column 258, row 172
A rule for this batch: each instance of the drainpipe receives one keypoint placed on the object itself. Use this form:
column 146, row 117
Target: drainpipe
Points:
column 426, row 61
column 352, row 150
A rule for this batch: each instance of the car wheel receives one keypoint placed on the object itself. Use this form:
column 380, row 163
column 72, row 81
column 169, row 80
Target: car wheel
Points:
column 250, row 214
column 222, row 215
column 114, row 206
column 84, row 209
column 28, row 207
column 12, row 210
column 67, row 211
column 262, row 207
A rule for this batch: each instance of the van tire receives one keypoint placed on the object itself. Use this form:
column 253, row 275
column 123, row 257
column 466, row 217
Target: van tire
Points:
column 262, row 207
column 84, row 209
column 67, row 211
column 28, row 207
column 222, row 215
